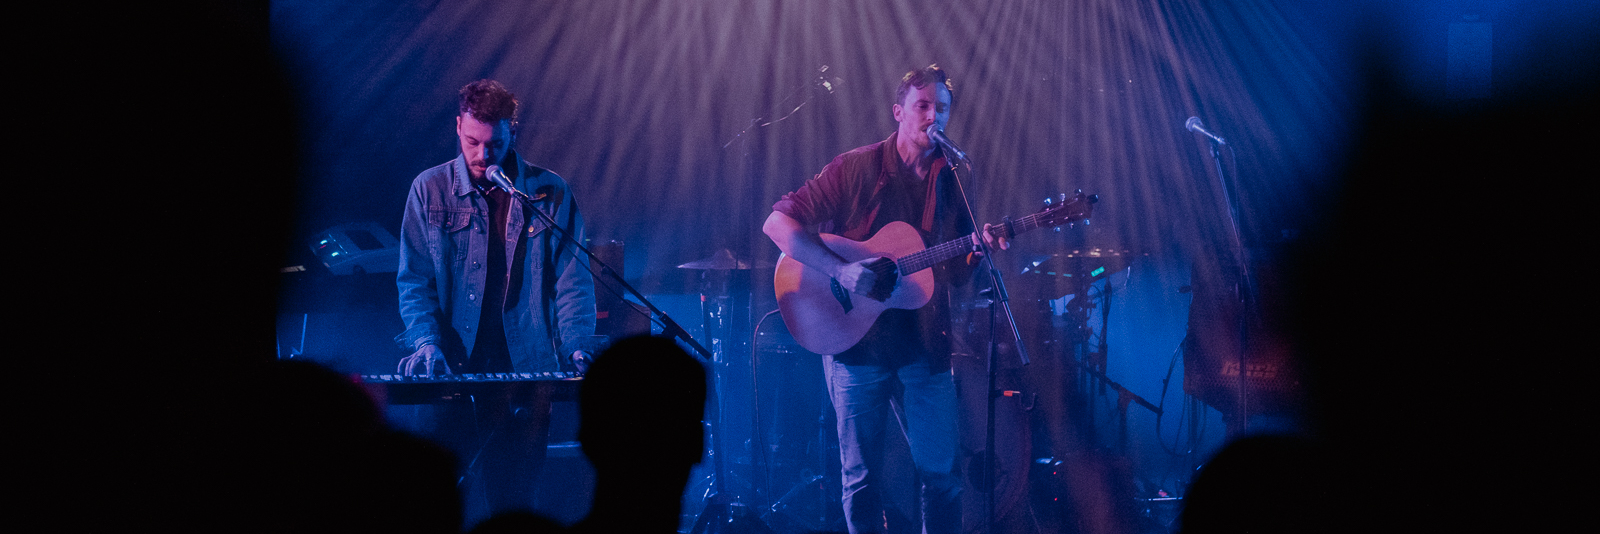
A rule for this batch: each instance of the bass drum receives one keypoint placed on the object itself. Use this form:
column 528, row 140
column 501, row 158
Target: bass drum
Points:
column 1013, row 435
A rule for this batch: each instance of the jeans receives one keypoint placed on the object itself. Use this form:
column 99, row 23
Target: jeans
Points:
column 861, row 396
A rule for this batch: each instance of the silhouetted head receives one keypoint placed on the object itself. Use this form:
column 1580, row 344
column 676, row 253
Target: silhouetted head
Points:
column 641, row 405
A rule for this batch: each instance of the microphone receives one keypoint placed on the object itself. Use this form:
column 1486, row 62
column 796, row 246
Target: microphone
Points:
column 498, row 177
column 950, row 148
column 1194, row 126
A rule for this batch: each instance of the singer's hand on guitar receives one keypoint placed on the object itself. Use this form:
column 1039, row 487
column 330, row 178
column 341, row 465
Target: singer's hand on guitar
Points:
column 855, row 277
column 428, row 358
column 873, row 278
column 992, row 240
column 988, row 239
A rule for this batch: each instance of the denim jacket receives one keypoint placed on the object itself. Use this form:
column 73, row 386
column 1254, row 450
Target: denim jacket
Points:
column 443, row 264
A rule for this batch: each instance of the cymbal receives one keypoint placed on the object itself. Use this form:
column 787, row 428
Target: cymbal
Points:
column 721, row 260
column 1056, row 275
column 1087, row 262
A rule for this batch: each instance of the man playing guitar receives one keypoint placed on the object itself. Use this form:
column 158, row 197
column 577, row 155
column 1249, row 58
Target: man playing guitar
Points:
column 905, row 354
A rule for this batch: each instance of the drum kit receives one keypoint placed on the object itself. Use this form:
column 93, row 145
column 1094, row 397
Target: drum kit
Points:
column 786, row 452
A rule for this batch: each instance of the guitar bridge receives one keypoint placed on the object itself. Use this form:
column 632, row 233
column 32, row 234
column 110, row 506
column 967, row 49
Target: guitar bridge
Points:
column 840, row 294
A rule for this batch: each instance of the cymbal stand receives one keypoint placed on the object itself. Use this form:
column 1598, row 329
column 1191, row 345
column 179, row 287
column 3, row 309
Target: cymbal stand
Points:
column 724, row 510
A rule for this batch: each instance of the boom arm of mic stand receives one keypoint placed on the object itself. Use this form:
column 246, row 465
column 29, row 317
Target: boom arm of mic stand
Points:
column 668, row 326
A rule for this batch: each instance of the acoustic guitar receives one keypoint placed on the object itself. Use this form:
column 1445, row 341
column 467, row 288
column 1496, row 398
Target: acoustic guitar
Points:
column 826, row 319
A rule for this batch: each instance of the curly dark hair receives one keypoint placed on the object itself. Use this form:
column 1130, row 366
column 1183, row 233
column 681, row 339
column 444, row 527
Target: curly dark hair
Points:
column 922, row 77
column 489, row 102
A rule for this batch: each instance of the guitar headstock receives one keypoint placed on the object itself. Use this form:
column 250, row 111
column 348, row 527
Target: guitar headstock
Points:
column 1058, row 211
column 1063, row 211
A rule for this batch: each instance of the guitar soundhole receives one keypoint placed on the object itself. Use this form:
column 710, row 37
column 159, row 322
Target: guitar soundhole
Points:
column 887, row 274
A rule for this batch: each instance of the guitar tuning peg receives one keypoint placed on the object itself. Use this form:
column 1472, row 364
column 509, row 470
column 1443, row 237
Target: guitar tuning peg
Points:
column 1049, row 201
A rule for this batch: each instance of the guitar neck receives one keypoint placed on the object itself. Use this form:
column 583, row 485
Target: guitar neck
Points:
column 933, row 255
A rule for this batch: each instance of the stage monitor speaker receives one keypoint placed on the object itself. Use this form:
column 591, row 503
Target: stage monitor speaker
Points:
column 1231, row 345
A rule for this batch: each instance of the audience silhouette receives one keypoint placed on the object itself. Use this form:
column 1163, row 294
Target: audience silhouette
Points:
column 641, row 408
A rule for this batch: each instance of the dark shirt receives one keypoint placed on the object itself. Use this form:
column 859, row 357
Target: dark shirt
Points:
column 490, row 353
column 854, row 196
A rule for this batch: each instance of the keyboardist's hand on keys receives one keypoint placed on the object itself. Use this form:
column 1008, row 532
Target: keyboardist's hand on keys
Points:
column 581, row 360
column 428, row 358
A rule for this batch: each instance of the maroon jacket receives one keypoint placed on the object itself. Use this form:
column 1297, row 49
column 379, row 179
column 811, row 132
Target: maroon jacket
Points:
column 854, row 196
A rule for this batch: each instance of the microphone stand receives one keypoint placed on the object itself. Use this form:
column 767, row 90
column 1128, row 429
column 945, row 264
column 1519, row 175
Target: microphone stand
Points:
column 1001, row 299
column 1244, row 288
column 668, row 326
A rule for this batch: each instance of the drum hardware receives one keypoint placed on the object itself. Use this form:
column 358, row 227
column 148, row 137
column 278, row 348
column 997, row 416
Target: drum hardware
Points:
column 723, row 509
column 723, row 260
